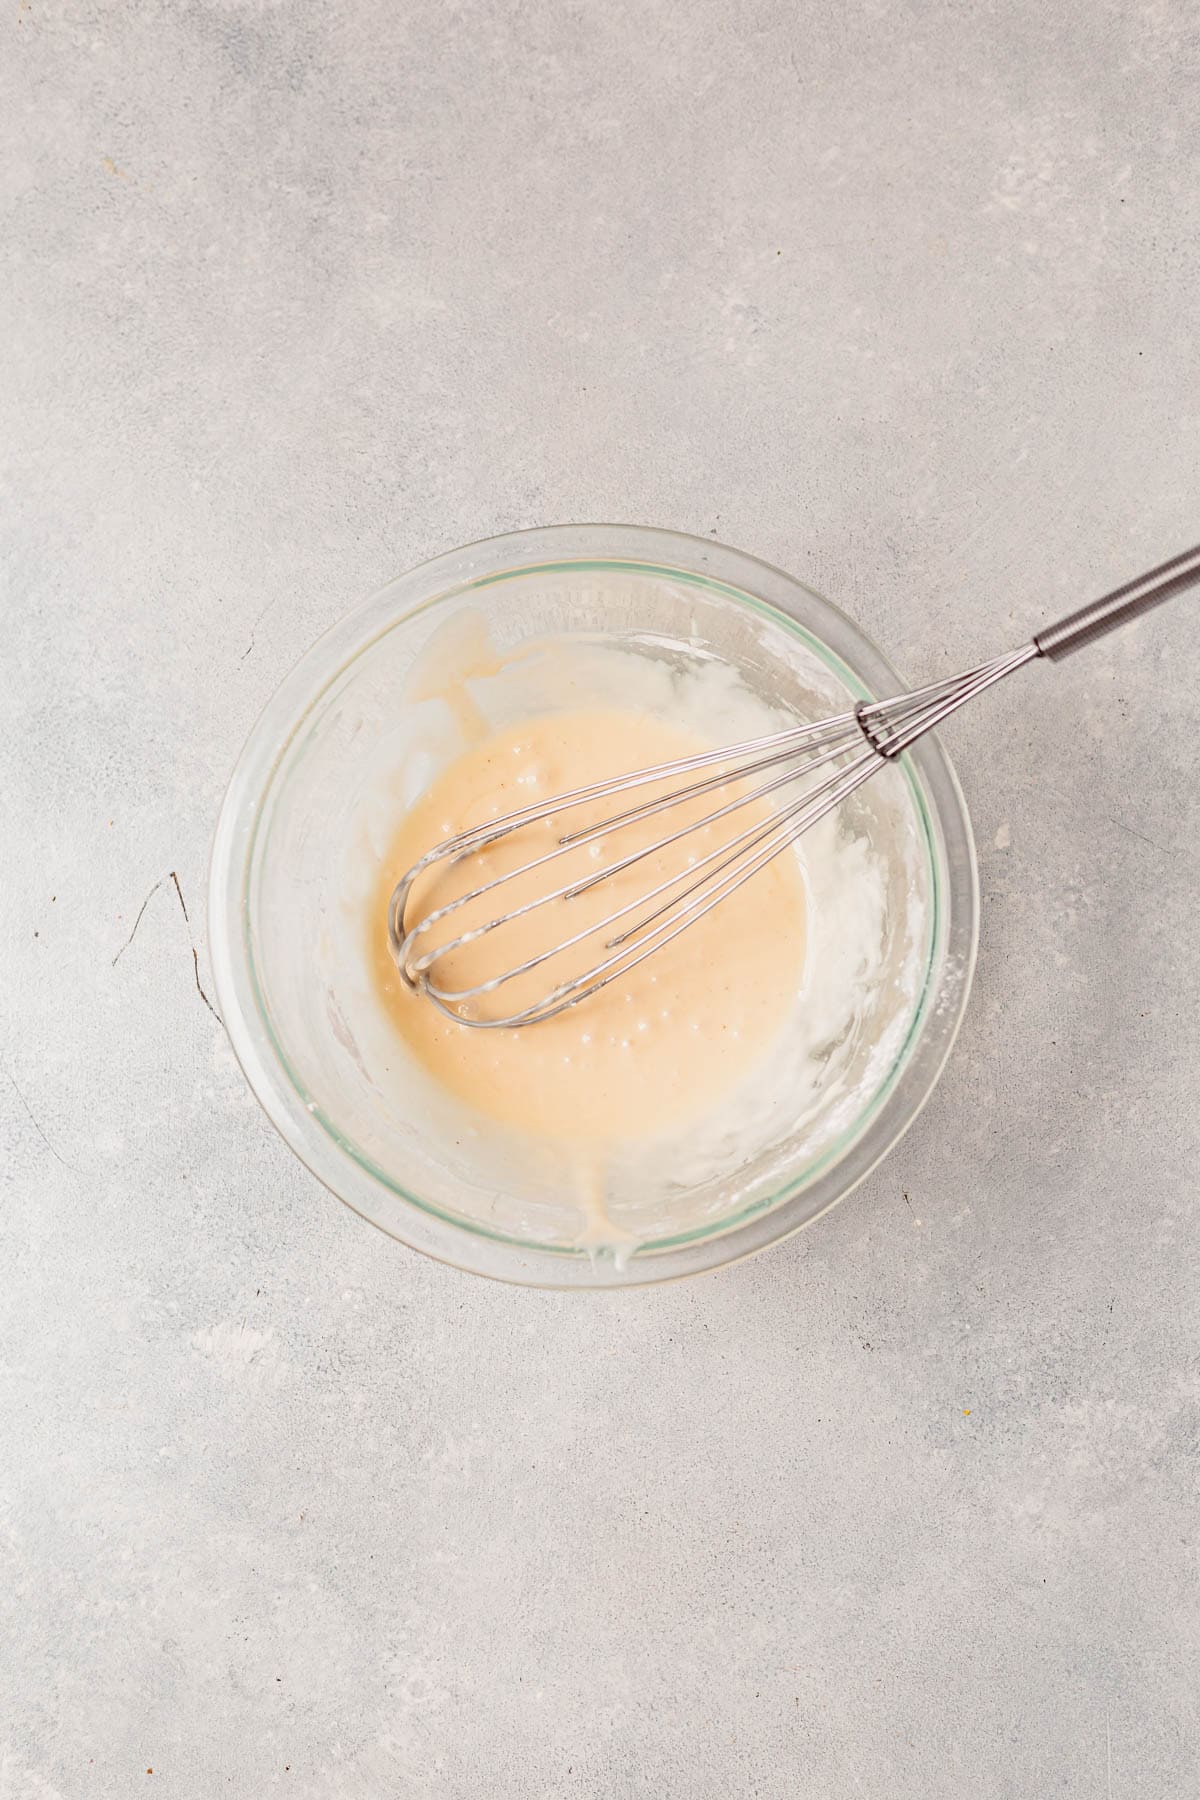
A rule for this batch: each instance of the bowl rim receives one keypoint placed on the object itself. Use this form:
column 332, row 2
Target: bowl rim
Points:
column 337, row 1163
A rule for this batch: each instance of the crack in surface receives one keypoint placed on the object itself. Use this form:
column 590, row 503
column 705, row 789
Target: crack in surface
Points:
column 141, row 909
column 196, row 969
column 195, row 957
column 173, row 878
column 32, row 1117
column 179, row 891
column 262, row 613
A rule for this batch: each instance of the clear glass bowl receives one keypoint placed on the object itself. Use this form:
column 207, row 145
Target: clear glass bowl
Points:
column 295, row 836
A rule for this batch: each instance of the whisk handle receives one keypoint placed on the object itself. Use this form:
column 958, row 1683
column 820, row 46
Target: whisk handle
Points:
column 1121, row 606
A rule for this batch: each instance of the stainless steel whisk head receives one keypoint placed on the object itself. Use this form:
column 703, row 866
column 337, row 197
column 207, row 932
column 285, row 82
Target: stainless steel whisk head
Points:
column 822, row 763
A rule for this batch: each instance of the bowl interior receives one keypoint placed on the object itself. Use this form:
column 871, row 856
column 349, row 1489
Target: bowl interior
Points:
column 360, row 729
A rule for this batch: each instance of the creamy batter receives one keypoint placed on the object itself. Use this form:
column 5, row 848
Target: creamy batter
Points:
column 665, row 1042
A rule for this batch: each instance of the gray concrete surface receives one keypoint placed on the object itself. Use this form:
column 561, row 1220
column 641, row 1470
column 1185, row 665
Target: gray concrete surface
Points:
column 902, row 297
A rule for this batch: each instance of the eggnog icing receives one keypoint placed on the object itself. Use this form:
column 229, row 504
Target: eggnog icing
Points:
column 785, row 1007
column 654, row 1048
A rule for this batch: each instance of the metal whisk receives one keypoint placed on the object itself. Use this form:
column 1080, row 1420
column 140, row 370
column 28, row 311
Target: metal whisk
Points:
column 832, row 758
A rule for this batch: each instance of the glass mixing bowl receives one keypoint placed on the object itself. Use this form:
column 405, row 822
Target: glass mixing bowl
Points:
column 299, row 837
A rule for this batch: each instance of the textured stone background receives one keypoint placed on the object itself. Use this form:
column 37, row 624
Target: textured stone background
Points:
column 903, row 297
